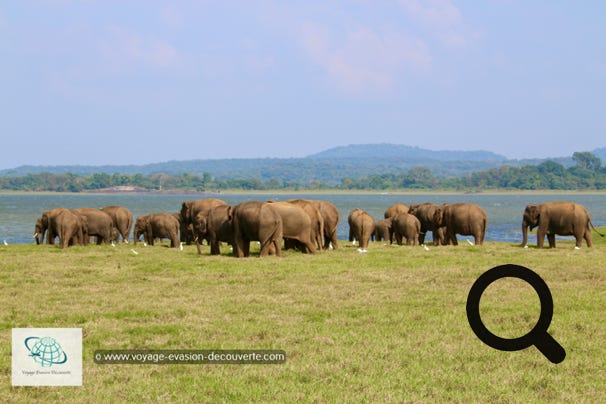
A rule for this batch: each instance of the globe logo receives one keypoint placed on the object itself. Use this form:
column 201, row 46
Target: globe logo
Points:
column 46, row 351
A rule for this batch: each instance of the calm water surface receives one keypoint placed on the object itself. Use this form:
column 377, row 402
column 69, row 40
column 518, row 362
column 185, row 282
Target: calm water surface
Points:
column 18, row 213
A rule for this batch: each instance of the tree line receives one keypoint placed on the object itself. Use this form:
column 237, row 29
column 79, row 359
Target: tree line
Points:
column 587, row 174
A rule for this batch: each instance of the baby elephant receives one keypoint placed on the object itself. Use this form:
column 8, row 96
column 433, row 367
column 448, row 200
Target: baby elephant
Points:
column 406, row 226
column 158, row 225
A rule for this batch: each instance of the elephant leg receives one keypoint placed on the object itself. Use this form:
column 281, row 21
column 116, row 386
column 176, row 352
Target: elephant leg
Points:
column 237, row 251
column 310, row 246
column 50, row 237
column 334, row 240
column 588, row 238
column 265, row 247
column 398, row 238
column 246, row 248
column 452, row 237
column 278, row 247
column 541, row 238
column 214, row 246
column 198, row 246
column 551, row 240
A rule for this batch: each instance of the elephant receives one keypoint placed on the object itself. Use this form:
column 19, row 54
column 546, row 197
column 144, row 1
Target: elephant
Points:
column 140, row 229
column 213, row 225
column 296, row 225
column 122, row 219
column 383, row 230
column 189, row 210
column 330, row 216
column 256, row 221
column 462, row 218
column 163, row 225
column 425, row 212
column 562, row 218
column 406, row 226
column 45, row 226
column 100, row 224
column 361, row 227
column 62, row 223
column 70, row 228
column 317, row 221
column 395, row 209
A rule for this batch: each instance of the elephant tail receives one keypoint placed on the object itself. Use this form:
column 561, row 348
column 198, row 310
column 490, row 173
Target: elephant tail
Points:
column 593, row 227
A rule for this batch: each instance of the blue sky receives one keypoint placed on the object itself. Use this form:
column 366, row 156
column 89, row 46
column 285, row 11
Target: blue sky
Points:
column 133, row 82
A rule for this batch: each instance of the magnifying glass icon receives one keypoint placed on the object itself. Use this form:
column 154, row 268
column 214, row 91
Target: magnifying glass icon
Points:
column 538, row 336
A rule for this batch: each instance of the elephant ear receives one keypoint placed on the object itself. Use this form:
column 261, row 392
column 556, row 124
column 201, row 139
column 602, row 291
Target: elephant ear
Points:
column 437, row 214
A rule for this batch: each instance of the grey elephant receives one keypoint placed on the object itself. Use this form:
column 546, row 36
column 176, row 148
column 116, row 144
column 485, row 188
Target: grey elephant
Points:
column 317, row 220
column 122, row 219
column 462, row 218
column 158, row 225
column 383, row 230
column 296, row 226
column 330, row 216
column 256, row 221
column 406, row 226
column 140, row 228
column 100, row 224
column 557, row 218
column 361, row 227
column 425, row 212
column 189, row 210
column 395, row 209
column 70, row 227
column 214, row 226
column 62, row 223
column 45, row 226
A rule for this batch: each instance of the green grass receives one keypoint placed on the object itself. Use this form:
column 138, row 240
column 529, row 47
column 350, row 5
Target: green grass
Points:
column 389, row 325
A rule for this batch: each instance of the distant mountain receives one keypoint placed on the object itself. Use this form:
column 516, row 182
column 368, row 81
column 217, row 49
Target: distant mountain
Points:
column 329, row 166
column 385, row 150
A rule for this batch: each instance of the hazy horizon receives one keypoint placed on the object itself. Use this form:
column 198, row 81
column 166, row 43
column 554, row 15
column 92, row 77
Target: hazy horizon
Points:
column 278, row 157
column 114, row 83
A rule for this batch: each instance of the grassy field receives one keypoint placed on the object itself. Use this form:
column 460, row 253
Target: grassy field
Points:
column 386, row 326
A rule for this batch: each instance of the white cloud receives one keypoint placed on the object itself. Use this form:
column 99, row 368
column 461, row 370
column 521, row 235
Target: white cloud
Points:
column 367, row 59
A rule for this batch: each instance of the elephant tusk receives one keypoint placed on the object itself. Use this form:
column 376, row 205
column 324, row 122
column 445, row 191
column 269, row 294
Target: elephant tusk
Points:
column 35, row 235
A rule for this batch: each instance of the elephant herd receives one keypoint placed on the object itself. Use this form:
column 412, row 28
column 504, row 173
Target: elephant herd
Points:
column 76, row 226
column 303, row 224
column 308, row 225
column 412, row 223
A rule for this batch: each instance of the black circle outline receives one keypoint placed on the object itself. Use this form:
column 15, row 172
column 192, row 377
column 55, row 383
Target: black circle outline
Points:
column 473, row 307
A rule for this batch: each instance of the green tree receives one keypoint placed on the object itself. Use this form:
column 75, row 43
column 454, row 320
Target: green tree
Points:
column 587, row 161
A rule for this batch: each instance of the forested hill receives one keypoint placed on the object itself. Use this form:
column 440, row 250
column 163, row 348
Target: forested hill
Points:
column 587, row 173
column 358, row 166
column 329, row 166
column 393, row 151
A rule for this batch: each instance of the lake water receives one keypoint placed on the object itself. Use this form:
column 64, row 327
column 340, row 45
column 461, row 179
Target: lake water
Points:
column 18, row 213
